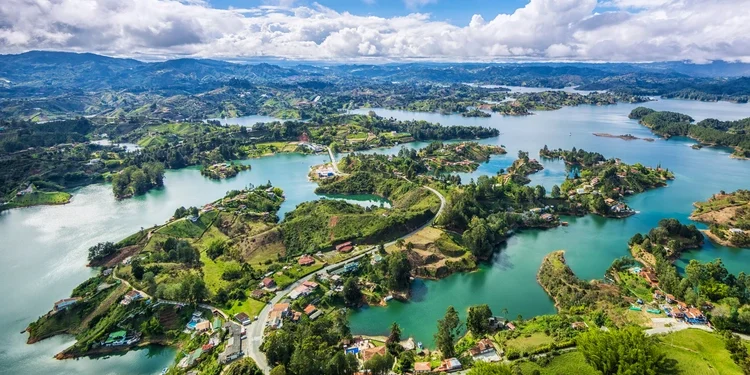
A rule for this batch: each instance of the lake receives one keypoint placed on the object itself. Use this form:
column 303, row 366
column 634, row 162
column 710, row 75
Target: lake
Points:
column 43, row 249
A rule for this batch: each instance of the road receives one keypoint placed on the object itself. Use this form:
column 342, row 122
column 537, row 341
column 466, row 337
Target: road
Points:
column 255, row 330
column 335, row 164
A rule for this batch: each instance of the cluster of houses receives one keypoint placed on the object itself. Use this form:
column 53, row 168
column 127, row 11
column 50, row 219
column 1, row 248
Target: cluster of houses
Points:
column 120, row 338
column 233, row 349
column 305, row 289
column 199, row 325
column 689, row 314
column 131, row 297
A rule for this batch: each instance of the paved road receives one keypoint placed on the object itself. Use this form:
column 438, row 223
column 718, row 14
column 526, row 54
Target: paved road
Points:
column 255, row 330
column 334, row 163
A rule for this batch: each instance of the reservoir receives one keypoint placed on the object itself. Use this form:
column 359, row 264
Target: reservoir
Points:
column 43, row 249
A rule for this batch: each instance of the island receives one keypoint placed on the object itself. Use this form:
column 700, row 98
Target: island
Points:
column 710, row 131
column 625, row 137
column 220, row 171
column 597, row 185
column 669, row 239
column 728, row 216
column 460, row 157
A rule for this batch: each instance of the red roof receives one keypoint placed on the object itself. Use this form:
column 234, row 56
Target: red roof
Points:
column 267, row 282
column 343, row 245
column 305, row 260
column 310, row 309
column 422, row 366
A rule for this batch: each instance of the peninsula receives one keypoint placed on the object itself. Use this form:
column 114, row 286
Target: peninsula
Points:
column 728, row 216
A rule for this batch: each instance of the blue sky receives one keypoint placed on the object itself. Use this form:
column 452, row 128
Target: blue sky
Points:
column 457, row 12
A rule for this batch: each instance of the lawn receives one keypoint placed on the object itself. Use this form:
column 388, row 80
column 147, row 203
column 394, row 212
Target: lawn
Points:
column 185, row 228
column 566, row 363
column 636, row 285
column 250, row 307
column 698, row 352
column 40, row 198
column 523, row 344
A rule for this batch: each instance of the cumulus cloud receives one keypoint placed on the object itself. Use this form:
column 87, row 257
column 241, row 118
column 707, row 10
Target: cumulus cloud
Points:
column 697, row 30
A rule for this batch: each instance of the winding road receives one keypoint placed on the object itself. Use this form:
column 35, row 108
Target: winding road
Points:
column 255, row 330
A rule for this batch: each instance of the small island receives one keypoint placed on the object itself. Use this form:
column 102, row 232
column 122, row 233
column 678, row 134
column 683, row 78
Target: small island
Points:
column 475, row 113
column 222, row 171
column 668, row 240
column 135, row 180
column 625, row 137
column 598, row 185
column 457, row 157
column 728, row 216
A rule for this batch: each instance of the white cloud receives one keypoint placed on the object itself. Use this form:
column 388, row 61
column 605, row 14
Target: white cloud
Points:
column 698, row 30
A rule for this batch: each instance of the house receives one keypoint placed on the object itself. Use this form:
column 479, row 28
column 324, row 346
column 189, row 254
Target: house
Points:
column 594, row 181
column 610, row 202
column 658, row 295
column 233, row 349
column 449, row 365
column 243, row 318
column 192, row 218
column 547, row 217
column 650, row 276
column 305, row 260
column 694, row 316
column 580, row 191
column 131, row 296
column 422, row 367
column 203, row 326
column 484, row 346
column 310, row 309
column 736, row 230
column 116, row 338
column 578, row 325
column 368, row 353
column 682, row 305
column 377, row 258
column 258, row 293
column 64, row 303
column 282, row 308
column 670, row 298
column 510, row 326
column 345, row 247
column 29, row 189
column 268, row 283
column 191, row 359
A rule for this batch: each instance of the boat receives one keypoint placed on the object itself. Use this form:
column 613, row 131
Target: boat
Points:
column 564, row 223
column 165, row 370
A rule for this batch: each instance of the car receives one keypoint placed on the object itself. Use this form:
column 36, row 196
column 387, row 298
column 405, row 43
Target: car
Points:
column 256, row 318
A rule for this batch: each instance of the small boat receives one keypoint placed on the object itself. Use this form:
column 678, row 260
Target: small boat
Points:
column 564, row 223
column 419, row 345
column 570, row 134
column 165, row 370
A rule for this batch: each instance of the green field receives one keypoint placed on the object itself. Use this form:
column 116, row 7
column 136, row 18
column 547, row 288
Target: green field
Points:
column 699, row 353
column 564, row 364
column 38, row 198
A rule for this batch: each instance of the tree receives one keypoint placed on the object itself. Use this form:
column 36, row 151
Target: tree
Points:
column 400, row 243
column 279, row 370
column 379, row 364
column 478, row 319
column 136, row 268
column 352, row 293
column 216, row 248
column 393, row 343
column 479, row 238
column 448, row 332
column 245, row 366
column 625, row 351
column 399, row 271
column 539, row 192
column 406, row 360
column 484, row 368
column 342, row 364
column 555, row 191
column 101, row 250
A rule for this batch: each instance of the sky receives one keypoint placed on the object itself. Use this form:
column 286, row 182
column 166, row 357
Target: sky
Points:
column 384, row 30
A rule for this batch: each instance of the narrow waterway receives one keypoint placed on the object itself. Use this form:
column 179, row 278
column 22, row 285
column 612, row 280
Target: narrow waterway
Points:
column 43, row 249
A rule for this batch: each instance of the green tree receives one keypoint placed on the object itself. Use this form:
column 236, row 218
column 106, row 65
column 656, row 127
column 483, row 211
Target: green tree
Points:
column 379, row 364
column 555, row 191
column 393, row 342
column 479, row 238
column 406, row 360
column 478, row 319
column 625, row 351
column 245, row 366
column 342, row 364
column 399, row 271
column 448, row 332
column 352, row 293
column 278, row 370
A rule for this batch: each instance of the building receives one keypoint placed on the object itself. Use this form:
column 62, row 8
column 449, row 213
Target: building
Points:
column 233, row 349
column 736, row 230
column 650, row 276
column 345, row 247
column 578, row 325
column 243, row 318
column 130, row 297
column 258, row 293
column 547, row 217
column 484, row 346
column 510, row 326
column 449, row 365
column 310, row 309
column 268, row 283
column 694, row 316
column 64, row 303
column 670, row 298
column 306, row 260
column 203, row 326
column 368, row 353
column 422, row 368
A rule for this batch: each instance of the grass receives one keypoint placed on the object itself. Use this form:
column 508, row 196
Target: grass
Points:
column 38, row 198
column 523, row 344
column 566, row 363
column 250, row 306
column 637, row 285
column 698, row 353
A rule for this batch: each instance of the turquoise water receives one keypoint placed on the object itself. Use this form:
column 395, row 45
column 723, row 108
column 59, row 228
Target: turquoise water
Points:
column 591, row 242
column 43, row 249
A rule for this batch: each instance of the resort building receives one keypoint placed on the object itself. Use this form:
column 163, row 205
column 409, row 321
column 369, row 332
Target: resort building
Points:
column 64, row 303
column 233, row 349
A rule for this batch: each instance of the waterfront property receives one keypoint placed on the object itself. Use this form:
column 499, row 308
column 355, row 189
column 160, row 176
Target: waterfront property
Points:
column 64, row 304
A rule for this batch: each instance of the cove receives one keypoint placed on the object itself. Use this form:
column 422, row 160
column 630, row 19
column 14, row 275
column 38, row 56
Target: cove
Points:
column 591, row 242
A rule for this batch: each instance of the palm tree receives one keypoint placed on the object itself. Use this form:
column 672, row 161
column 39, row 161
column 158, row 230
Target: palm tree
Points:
column 400, row 243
